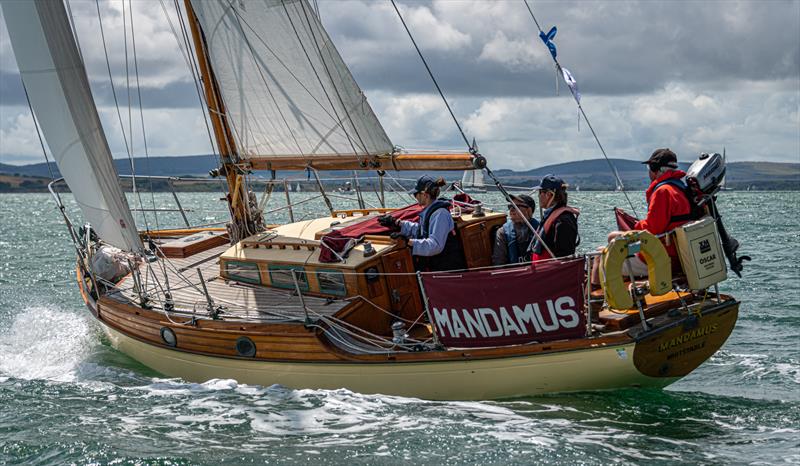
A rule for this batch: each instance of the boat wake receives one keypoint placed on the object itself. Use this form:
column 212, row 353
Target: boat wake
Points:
column 45, row 342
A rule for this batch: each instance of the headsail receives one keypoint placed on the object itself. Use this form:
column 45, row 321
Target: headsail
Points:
column 286, row 89
column 56, row 81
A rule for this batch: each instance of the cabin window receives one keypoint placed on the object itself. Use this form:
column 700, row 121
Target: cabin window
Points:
column 281, row 276
column 243, row 271
column 331, row 282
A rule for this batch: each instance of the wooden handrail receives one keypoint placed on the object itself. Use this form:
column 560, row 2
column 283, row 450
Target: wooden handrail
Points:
column 351, row 212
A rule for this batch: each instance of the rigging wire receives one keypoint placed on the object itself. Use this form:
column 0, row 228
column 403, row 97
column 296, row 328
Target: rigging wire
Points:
column 38, row 133
column 119, row 115
column 74, row 30
column 141, row 116
column 586, row 118
column 191, row 63
column 435, row 83
column 473, row 150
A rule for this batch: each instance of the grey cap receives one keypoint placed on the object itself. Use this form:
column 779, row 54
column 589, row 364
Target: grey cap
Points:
column 525, row 199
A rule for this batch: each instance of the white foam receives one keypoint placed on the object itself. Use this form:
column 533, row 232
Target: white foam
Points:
column 45, row 342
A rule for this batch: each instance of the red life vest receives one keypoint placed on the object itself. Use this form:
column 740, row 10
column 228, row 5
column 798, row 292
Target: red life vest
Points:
column 547, row 226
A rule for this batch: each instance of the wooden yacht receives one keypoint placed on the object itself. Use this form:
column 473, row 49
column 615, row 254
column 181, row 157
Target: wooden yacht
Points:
column 266, row 311
column 335, row 302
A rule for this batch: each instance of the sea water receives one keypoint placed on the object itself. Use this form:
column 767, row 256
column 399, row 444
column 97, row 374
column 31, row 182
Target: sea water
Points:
column 67, row 397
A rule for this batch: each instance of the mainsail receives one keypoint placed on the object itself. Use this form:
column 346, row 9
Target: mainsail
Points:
column 56, row 81
column 286, row 90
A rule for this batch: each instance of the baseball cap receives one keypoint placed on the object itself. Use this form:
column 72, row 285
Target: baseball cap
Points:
column 662, row 158
column 551, row 183
column 423, row 183
column 524, row 199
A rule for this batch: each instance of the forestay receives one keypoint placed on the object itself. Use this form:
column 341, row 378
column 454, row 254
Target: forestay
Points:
column 286, row 90
column 56, row 81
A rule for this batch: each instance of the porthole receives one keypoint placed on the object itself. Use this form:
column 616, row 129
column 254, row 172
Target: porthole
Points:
column 168, row 336
column 245, row 347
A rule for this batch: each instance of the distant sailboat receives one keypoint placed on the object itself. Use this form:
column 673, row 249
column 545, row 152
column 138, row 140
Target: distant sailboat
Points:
column 473, row 181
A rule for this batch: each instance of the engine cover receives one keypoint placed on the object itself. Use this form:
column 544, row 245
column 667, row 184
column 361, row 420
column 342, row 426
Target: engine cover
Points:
column 708, row 170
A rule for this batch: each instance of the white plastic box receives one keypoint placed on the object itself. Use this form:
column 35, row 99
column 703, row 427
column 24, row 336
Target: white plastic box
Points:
column 701, row 254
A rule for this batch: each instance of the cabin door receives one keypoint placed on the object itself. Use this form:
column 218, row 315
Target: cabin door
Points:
column 404, row 294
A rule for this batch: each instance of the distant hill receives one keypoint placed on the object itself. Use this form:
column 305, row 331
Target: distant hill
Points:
column 595, row 174
column 592, row 174
column 190, row 165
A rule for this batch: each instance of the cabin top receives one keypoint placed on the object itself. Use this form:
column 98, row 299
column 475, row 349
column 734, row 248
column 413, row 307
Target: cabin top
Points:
column 298, row 242
column 285, row 249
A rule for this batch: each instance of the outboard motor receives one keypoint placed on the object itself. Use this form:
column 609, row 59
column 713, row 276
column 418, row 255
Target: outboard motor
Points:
column 706, row 173
column 705, row 177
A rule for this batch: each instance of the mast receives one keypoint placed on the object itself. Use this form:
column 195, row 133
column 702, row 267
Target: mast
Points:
column 237, row 199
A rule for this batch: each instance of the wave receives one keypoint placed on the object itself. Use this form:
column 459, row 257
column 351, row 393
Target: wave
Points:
column 46, row 342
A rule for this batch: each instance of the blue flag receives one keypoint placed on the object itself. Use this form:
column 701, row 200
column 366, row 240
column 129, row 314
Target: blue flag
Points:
column 547, row 38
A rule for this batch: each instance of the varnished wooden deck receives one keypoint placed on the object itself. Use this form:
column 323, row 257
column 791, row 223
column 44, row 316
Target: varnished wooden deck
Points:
column 238, row 300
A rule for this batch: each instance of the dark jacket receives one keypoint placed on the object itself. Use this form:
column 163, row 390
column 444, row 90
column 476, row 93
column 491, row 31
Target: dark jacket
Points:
column 560, row 234
column 512, row 243
column 452, row 256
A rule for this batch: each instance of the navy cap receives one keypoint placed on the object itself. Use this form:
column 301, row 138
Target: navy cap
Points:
column 551, row 183
column 424, row 183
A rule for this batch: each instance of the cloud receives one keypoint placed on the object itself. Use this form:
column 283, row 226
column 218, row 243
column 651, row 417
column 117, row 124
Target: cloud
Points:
column 690, row 75
column 514, row 54
column 18, row 140
column 438, row 34
column 753, row 121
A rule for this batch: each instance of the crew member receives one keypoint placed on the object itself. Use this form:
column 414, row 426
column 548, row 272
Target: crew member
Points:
column 668, row 207
column 559, row 226
column 433, row 241
column 513, row 240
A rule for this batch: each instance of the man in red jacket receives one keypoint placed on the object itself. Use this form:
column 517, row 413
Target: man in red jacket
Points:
column 667, row 204
column 667, row 207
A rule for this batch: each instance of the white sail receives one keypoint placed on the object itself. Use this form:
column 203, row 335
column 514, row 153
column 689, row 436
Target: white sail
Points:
column 286, row 89
column 477, row 179
column 58, row 87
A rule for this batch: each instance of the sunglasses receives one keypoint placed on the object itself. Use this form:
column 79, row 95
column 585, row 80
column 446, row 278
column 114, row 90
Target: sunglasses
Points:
column 520, row 206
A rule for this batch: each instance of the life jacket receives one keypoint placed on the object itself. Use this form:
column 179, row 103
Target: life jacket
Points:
column 694, row 212
column 539, row 252
column 452, row 256
column 517, row 252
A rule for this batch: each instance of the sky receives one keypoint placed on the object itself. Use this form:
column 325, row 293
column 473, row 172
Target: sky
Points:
column 694, row 76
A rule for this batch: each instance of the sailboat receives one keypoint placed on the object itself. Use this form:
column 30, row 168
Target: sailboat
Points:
column 334, row 301
column 473, row 181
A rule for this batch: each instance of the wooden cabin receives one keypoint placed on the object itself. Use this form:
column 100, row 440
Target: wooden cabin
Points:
column 384, row 278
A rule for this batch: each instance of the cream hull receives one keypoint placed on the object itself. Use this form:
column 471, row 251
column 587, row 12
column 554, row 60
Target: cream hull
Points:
column 592, row 369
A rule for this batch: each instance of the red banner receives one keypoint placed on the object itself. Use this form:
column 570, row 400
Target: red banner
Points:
column 508, row 306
